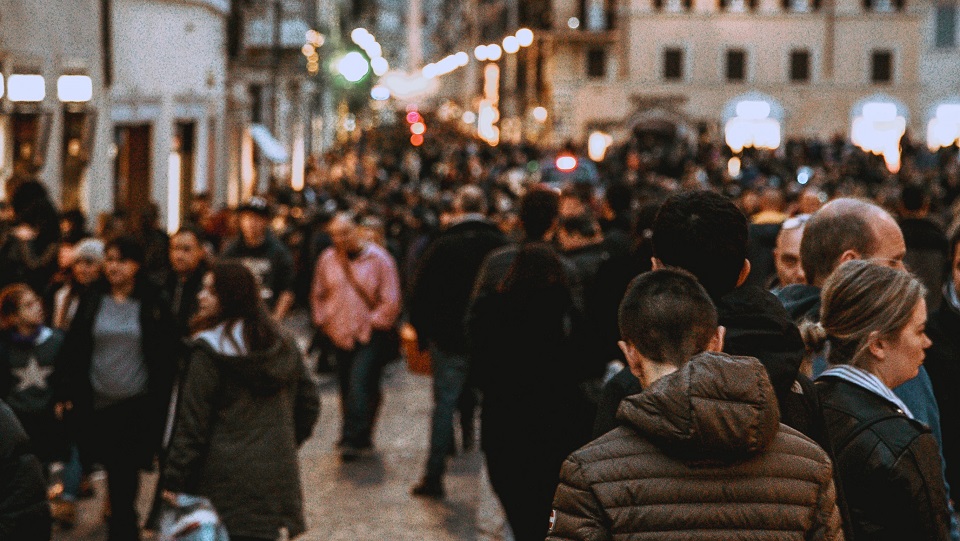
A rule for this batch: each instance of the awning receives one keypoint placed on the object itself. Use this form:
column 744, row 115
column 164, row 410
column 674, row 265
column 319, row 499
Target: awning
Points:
column 272, row 149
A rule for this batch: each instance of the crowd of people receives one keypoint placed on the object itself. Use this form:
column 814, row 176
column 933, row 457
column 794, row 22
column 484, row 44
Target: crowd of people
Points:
column 679, row 349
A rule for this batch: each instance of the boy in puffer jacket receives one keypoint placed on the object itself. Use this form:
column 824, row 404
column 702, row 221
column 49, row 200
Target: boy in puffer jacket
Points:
column 700, row 454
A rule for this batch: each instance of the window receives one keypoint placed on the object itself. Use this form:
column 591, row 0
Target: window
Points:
column 799, row 66
column 881, row 67
column 596, row 63
column 673, row 64
column 736, row 65
column 946, row 26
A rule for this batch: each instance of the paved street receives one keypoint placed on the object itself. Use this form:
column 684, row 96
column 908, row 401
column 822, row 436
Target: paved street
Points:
column 369, row 500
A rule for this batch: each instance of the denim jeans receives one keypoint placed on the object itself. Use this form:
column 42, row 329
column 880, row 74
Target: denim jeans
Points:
column 359, row 371
column 449, row 376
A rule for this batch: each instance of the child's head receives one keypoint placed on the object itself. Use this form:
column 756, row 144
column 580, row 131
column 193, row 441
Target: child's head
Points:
column 20, row 307
column 666, row 317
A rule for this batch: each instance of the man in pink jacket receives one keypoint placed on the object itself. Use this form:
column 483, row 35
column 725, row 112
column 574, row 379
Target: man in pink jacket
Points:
column 355, row 301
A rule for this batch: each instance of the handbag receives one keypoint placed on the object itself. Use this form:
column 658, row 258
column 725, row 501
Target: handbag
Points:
column 418, row 360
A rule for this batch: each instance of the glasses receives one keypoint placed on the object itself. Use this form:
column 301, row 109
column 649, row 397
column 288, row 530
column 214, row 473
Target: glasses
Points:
column 796, row 222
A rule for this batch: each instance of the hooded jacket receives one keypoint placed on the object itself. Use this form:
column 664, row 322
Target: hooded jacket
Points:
column 241, row 420
column 757, row 326
column 700, row 455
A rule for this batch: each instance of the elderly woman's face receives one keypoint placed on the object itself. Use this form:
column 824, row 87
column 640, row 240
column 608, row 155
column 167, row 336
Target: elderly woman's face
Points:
column 902, row 354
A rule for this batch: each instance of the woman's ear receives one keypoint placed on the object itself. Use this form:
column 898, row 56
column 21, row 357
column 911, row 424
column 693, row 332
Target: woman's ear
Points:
column 876, row 345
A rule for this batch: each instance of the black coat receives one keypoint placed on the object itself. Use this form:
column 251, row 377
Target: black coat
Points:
column 445, row 280
column 161, row 347
column 943, row 366
column 889, row 466
column 24, row 512
column 527, row 362
column 241, row 420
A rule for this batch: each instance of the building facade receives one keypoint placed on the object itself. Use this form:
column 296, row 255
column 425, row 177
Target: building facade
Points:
column 612, row 65
column 54, row 109
column 168, row 104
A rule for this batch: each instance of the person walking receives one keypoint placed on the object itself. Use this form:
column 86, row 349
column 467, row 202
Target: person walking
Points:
column 355, row 300
column 700, row 454
column 524, row 341
column 438, row 305
column 115, row 375
column 888, row 462
column 248, row 404
column 265, row 255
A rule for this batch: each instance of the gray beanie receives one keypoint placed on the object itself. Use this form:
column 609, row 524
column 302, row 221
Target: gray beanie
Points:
column 89, row 250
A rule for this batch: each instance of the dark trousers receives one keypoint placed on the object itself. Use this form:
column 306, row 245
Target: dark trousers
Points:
column 119, row 436
column 359, row 371
column 525, row 485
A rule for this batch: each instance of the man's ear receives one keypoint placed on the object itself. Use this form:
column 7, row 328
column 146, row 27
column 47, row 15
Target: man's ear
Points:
column 744, row 273
column 656, row 264
column 849, row 255
column 716, row 341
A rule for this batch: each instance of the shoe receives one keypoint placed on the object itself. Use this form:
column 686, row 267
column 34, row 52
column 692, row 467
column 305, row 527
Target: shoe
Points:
column 428, row 488
column 349, row 453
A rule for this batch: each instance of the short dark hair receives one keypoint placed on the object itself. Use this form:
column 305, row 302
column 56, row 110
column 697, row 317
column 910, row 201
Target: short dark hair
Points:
column 584, row 225
column 844, row 224
column 130, row 248
column 704, row 233
column 913, row 197
column 668, row 316
column 539, row 208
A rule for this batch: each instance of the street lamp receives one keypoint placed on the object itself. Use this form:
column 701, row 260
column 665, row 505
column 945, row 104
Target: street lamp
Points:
column 353, row 67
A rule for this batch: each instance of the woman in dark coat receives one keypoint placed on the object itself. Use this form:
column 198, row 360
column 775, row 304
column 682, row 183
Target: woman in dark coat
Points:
column 248, row 403
column 114, row 377
column 889, row 464
column 523, row 339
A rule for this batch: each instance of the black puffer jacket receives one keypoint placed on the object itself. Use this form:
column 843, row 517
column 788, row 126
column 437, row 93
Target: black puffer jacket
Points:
column 240, row 423
column 24, row 512
column 700, row 456
column 889, row 466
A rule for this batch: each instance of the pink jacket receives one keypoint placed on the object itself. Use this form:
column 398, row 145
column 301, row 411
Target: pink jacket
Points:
column 340, row 311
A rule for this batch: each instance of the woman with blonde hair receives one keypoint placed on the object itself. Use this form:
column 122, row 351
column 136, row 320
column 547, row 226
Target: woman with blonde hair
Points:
column 873, row 320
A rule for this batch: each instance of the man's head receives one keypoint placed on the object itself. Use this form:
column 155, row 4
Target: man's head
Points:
column 846, row 229
column 254, row 219
column 706, row 234
column 345, row 233
column 666, row 317
column 538, row 213
column 186, row 251
column 786, row 254
column 470, row 200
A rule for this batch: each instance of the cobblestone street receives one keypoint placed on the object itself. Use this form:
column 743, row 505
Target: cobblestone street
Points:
column 369, row 500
